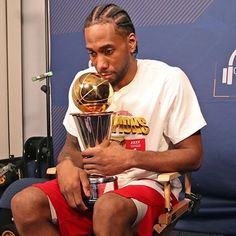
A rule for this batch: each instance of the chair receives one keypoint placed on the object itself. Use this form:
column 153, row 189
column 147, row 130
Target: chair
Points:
column 189, row 203
column 167, row 220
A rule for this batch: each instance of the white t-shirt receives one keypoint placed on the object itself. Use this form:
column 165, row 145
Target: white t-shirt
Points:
column 157, row 108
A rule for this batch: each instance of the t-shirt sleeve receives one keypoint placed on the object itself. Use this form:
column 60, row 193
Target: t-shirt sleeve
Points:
column 68, row 121
column 185, row 116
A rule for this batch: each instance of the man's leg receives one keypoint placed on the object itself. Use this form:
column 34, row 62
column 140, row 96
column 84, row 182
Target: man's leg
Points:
column 114, row 215
column 32, row 214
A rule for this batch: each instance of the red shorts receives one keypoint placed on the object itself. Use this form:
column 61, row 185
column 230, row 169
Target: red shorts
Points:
column 71, row 222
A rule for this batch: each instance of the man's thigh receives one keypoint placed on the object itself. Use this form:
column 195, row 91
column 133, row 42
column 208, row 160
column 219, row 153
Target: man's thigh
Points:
column 66, row 216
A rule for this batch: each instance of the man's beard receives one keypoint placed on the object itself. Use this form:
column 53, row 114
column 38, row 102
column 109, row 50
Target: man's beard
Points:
column 115, row 82
column 120, row 76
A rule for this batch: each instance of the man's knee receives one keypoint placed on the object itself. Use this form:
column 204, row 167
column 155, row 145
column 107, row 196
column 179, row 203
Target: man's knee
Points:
column 30, row 202
column 108, row 204
column 112, row 209
column 114, row 205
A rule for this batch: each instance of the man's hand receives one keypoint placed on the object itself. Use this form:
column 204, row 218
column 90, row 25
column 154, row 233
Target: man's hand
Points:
column 107, row 159
column 73, row 183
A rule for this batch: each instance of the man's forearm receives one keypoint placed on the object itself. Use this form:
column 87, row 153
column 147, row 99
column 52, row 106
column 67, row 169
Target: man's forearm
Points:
column 186, row 157
column 74, row 156
column 168, row 161
column 71, row 151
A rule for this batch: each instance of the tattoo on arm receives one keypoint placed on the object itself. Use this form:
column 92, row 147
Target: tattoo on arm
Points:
column 70, row 149
column 65, row 154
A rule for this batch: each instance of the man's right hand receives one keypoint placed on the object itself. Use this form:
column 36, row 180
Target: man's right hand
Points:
column 73, row 183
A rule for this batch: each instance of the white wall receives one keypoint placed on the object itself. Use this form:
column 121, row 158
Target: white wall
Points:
column 22, row 47
column 4, row 135
column 34, row 63
column 11, row 112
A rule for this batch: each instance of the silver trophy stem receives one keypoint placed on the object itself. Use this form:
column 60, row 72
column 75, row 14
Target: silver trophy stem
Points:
column 93, row 127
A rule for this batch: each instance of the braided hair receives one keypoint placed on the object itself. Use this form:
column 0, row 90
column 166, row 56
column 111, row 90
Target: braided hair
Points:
column 111, row 13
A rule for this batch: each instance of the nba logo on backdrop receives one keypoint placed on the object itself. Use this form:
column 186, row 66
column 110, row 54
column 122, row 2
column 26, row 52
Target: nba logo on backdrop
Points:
column 230, row 71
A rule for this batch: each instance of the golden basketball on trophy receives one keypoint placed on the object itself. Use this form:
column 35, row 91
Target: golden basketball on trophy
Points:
column 92, row 93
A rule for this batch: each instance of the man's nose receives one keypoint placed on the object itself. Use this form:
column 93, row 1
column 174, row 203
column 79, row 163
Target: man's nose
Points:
column 101, row 63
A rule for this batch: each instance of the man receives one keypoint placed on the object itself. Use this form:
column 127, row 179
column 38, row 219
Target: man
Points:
column 157, row 111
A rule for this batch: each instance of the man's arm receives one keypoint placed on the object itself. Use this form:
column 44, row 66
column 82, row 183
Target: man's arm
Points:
column 186, row 156
column 71, row 151
column 111, row 159
column 72, row 179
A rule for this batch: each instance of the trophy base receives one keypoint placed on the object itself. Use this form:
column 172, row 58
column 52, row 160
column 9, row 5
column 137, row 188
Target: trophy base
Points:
column 98, row 186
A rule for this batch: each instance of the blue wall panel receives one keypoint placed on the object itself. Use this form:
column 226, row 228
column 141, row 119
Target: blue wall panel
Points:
column 199, row 36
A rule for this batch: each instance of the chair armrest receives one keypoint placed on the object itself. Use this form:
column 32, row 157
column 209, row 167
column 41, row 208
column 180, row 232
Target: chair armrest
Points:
column 51, row 171
column 165, row 177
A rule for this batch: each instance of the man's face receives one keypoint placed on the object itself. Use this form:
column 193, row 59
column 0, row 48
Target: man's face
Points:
column 109, row 51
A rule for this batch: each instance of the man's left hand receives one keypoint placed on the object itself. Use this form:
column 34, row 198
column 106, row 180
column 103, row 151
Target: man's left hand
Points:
column 108, row 158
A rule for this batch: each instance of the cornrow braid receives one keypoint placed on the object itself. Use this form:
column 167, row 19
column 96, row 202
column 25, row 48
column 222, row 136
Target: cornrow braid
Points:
column 111, row 13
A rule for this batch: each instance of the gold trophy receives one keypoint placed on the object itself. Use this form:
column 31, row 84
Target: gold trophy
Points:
column 92, row 95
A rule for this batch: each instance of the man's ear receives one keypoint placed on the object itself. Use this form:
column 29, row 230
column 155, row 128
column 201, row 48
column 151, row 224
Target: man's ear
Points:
column 132, row 41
